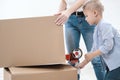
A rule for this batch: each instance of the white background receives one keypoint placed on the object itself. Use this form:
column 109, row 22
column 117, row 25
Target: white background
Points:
column 35, row 8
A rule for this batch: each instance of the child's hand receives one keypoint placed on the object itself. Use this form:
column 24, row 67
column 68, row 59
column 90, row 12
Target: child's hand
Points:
column 82, row 64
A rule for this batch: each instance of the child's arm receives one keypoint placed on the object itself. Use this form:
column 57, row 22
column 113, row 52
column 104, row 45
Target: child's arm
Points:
column 88, row 58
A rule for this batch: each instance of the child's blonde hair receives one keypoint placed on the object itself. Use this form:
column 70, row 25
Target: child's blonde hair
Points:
column 94, row 5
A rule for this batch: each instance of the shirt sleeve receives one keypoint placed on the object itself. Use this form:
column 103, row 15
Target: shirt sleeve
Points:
column 107, row 38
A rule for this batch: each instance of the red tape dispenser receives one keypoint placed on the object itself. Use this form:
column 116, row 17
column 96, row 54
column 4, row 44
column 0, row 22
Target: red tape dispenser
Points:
column 74, row 56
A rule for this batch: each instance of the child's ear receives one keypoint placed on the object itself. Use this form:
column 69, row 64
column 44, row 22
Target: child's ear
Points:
column 95, row 13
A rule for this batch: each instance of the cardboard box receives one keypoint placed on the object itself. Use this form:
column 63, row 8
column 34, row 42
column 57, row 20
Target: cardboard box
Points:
column 31, row 41
column 58, row 72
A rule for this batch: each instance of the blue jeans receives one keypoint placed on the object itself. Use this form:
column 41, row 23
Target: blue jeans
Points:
column 74, row 28
column 113, row 75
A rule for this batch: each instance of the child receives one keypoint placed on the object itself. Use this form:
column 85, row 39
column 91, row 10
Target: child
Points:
column 106, row 41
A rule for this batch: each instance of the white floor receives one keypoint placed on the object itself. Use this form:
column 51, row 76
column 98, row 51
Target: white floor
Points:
column 87, row 73
column 1, row 73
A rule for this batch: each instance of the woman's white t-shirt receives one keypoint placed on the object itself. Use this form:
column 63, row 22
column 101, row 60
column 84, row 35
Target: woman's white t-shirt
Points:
column 71, row 2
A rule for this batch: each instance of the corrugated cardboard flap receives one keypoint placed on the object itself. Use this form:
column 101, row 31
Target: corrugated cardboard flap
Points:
column 53, row 72
column 39, row 69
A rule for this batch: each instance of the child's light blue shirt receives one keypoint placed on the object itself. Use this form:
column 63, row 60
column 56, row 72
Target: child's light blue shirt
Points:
column 107, row 40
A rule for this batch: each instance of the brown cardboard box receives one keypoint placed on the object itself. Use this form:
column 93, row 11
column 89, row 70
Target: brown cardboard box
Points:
column 58, row 72
column 31, row 41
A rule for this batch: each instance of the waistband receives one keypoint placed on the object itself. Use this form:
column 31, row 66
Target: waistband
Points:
column 79, row 14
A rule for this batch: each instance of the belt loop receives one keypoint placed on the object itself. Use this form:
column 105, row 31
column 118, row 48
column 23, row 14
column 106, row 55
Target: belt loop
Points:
column 76, row 13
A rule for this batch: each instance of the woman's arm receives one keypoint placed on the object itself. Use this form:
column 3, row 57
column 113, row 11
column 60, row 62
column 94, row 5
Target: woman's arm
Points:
column 62, row 6
column 75, row 6
column 62, row 18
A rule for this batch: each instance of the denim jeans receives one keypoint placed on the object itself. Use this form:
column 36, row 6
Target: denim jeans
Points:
column 74, row 28
column 113, row 75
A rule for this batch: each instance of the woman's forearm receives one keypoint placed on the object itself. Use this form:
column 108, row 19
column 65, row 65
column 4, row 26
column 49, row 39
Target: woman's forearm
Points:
column 62, row 6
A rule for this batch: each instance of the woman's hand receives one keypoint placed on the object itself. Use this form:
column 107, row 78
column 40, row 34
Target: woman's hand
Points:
column 62, row 17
